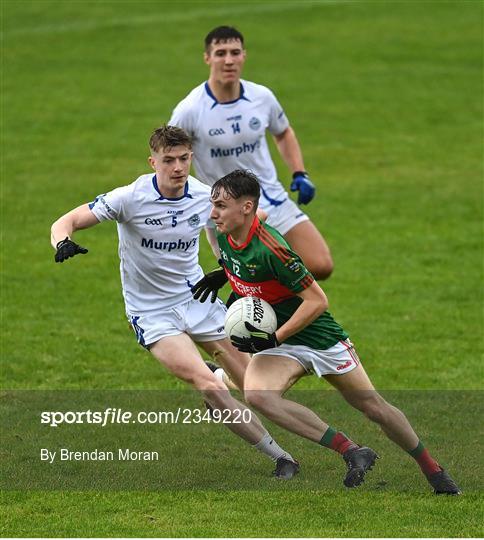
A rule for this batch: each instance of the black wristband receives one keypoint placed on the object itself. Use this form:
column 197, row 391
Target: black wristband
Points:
column 299, row 173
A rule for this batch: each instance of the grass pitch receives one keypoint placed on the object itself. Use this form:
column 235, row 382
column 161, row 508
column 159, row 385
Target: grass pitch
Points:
column 386, row 99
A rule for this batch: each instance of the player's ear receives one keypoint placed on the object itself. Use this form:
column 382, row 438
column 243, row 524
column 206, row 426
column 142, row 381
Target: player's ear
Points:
column 151, row 161
column 248, row 207
column 206, row 58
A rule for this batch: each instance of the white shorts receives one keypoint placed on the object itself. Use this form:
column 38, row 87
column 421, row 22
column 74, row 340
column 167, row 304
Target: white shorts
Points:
column 202, row 322
column 336, row 360
column 285, row 216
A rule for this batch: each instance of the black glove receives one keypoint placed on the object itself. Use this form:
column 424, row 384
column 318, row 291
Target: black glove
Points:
column 67, row 248
column 210, row 283
column 258, row 340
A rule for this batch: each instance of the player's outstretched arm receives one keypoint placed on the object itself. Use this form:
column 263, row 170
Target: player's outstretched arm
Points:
column 289, row 148
column 62, row 230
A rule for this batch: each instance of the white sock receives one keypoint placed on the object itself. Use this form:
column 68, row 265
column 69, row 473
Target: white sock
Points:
column 269, row 447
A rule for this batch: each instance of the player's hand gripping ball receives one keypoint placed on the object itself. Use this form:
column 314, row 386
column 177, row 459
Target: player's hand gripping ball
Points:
column 251, row 323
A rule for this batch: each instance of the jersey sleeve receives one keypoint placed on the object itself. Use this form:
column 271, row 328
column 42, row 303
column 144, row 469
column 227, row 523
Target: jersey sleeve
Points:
column 288, row 268
column 278, row 121
column 113, row 205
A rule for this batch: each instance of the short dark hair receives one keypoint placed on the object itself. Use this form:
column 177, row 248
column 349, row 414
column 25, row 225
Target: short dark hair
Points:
column 169, row 136
column 223, row 34
column 238, row 183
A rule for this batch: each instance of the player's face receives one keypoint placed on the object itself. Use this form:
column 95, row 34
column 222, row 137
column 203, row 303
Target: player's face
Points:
column 172, row 166
column 230, row 214
column 226, row 60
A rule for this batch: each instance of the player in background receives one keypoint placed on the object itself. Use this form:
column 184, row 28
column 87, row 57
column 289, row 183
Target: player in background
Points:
column 159, row 219
column 257, row 261
column 227, row 118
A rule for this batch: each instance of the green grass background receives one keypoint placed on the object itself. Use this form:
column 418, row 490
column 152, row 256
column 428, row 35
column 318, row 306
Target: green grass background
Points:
column 386, row 99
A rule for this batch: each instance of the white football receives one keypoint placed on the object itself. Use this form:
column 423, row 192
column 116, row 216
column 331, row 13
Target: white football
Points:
column 253, row 310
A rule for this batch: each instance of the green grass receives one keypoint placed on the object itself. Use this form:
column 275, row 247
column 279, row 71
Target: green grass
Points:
column 212, row 514
column 386, row 99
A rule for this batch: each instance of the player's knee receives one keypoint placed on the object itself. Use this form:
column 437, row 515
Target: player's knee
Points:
column 322, row 267
column 262, row 400
column 374, row 409
column 215, row 392
column 208, row 384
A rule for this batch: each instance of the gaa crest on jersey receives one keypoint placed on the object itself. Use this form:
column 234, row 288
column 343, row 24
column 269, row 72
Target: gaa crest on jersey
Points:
column 194, row 221
column 154, row 221
column 254, row 123
column 293, row 265
column 216, row 131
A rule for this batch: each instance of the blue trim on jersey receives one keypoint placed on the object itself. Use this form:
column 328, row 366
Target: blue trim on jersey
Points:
column 93, row 203
column 216, row 102
column 162, row 198
column 273, row 202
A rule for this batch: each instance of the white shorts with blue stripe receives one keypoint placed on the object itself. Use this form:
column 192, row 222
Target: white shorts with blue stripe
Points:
column 202, row 322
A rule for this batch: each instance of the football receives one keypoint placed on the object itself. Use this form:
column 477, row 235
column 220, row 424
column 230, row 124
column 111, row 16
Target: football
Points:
column 253, row 310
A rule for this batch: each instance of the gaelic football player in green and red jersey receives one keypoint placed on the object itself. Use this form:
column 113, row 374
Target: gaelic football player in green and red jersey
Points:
column 257, row 261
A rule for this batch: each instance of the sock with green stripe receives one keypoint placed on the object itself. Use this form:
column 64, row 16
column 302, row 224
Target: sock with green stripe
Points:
column 425, row 461
column 337, row 441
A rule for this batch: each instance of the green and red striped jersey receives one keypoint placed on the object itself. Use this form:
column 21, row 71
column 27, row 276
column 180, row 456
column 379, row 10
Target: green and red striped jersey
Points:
column 266, row 267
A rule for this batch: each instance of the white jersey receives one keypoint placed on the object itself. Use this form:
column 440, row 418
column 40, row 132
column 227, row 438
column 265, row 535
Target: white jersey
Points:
column 158, row 241
column 228, row 136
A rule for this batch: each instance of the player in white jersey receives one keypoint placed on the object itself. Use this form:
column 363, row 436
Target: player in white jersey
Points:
column 227, row 118
column 159, row 219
